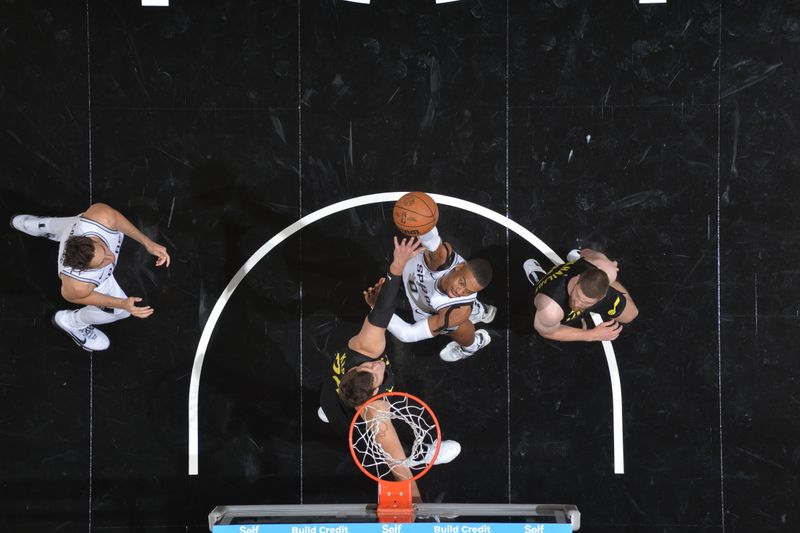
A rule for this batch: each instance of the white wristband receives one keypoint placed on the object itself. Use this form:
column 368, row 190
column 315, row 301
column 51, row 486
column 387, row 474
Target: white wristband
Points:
column 431, row 240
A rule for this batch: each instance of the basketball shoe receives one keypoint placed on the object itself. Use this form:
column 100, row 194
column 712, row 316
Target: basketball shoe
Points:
column 532, row 270
column 448, row 451
column 482, row 313
column 32, row 226
column 89, row 338
column 455, row 352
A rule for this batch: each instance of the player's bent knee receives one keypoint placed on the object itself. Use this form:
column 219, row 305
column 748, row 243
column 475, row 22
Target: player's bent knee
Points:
column 629, row 315
column 634, row 313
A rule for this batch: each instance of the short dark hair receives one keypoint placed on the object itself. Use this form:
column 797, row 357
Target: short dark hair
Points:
column 594, row 283
column 356, row 387
column 78, row 252
column 482, row 270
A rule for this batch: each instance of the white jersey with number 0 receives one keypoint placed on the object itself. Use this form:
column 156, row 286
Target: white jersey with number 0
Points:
column 421, row 284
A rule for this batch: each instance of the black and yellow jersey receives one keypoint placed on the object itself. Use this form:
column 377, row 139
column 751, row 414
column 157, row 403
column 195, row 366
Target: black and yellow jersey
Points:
column 344, row 361
column 339, row 414
column 554, row 284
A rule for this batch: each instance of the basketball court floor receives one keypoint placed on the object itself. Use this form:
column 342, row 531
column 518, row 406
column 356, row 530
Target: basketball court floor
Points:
column 662, row 134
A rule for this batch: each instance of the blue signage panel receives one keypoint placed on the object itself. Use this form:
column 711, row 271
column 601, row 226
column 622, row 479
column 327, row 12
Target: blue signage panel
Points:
column 413, row 527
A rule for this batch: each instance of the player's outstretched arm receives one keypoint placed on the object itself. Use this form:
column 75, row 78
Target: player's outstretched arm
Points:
column 371, row 339
column 404, row 250
column 82, row 293
column 448, row 318
column 113, row 219
column 607, row 331
column 371, row 294
column 428, row 328
column 405, row 332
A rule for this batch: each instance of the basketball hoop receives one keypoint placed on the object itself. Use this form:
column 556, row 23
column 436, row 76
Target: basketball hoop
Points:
column 419, row 434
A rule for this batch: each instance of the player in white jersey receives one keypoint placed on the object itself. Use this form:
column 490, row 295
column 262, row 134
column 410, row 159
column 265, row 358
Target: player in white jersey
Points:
column 442, row 290
column 88, row 252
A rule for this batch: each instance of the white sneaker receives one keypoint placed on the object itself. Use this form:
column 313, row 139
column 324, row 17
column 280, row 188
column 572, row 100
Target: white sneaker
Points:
column 486, row 314
column 455, row 352
column 32, row 226
column 532, row 270
column 573, row 255
column 448, row 451
column 322, row 416
column 89, row 338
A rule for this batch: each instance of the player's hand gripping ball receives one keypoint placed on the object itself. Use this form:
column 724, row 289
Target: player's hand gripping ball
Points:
column 415, row 213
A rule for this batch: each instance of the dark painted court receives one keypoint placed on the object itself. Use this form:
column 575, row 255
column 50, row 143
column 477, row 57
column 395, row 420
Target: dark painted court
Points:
column 664, row 135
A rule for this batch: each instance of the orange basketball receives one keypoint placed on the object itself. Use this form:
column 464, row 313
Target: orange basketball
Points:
column 415, row 213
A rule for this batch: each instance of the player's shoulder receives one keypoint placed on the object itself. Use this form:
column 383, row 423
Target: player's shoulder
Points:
column 101, row 213
column 546, row 305
column 75, row 288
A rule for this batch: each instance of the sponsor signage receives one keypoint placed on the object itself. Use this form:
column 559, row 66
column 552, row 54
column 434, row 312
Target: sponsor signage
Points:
column 413, row 527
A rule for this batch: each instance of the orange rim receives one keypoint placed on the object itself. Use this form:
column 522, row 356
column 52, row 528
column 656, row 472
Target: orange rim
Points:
column 386, row 395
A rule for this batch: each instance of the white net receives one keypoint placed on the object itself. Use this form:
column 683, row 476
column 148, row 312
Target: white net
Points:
column 414, row 426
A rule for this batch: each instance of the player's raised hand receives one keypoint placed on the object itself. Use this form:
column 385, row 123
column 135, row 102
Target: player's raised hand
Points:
column 129, row 305
column 160, row 252
column 404, row 250
column 371, row 294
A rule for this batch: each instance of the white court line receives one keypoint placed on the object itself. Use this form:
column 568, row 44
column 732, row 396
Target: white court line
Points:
column 205, row 337
column 155, row 3
column 91, row 354
column 718, row 250
column 616, row 400
column 300, row 214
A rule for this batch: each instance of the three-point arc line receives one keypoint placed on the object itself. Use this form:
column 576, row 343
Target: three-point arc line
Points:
column 202, row 345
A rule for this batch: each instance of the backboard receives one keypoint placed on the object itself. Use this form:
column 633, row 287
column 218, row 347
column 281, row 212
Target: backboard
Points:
column 427, row 518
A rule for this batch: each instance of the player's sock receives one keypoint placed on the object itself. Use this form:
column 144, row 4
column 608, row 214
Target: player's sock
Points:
column 381, row 314
column 472, row 348
column 431, row 240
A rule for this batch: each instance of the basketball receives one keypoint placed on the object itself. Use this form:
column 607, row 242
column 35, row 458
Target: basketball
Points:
column 415, row 213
